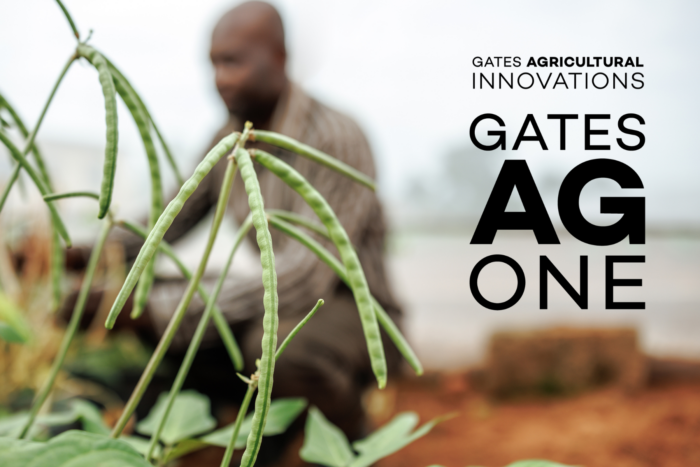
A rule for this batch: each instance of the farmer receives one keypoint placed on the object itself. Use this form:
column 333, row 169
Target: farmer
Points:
column 327, row 362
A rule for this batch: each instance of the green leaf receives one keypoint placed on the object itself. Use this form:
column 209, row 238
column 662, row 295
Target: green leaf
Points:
column 141, row 445
column 392, row 437
column 71, row 449
column 188, row 417
column 80, row 410
column 398, row 428
column 90, row 417
column 13, row 326
column 325, row 443
column 7, row 444
column 12, row 425
column 536, row 463
column 282, row 413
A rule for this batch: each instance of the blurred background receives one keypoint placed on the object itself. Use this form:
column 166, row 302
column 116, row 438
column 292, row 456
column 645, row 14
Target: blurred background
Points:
column 403, row 70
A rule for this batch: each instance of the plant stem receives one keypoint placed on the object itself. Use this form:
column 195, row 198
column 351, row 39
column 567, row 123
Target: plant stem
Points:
column 197, row 338
column 10, row 183
column 32, row 135
column 70, row 20
column 221, row 325
column 239, row 421
column 72, row 326
column 175, row 320
column 297, row 219
column 297, row 328
column 71, row 194
column 17, row 155
column 165, row 221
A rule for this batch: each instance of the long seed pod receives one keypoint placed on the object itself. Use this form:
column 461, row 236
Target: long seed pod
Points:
column 382, row 316
column 270, row 302
column 17, row 155
column 109, row 92
column 355, row 274
column 72, row 327
column 57, row 253
column 140, row 116
column 197, row 337
column 166, row 149
column 219, row 321
column 253, row 385
column 19, row 123
column 164, row 222
column 175, row 320
column 35, row 131
column 285, row 142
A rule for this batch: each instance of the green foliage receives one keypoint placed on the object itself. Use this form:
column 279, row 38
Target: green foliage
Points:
column 71, row 449
column 270, row 302
column 188, row 417
column 13, row 327
column 282, row 413
column 84, row 412
column 325, row 444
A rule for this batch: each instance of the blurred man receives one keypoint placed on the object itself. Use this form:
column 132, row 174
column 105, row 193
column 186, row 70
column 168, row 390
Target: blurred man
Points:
column 327, row 362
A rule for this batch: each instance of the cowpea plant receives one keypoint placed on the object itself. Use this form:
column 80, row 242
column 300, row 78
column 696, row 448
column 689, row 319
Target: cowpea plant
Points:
column 113, row 83
column 180, row 416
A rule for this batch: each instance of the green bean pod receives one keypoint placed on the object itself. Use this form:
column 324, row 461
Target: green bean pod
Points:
column 355, row 274
column 109, row 92
column 166, row 149
column 197, row 337
column 57, row 254
column 285, row 142
column 219, row 321
column 176, row 318
column 270, row 302
column 140, row 116
column 41, row 165
column 164, row 222
column 17, row 155
column 382, row 316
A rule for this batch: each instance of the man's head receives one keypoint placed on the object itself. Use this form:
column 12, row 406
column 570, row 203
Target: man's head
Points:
column 249, row 58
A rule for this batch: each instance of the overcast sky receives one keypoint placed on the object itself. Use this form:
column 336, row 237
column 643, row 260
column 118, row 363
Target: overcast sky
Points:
column 402, row 69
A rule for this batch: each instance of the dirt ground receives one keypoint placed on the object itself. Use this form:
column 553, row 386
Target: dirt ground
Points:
column 656, row 427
